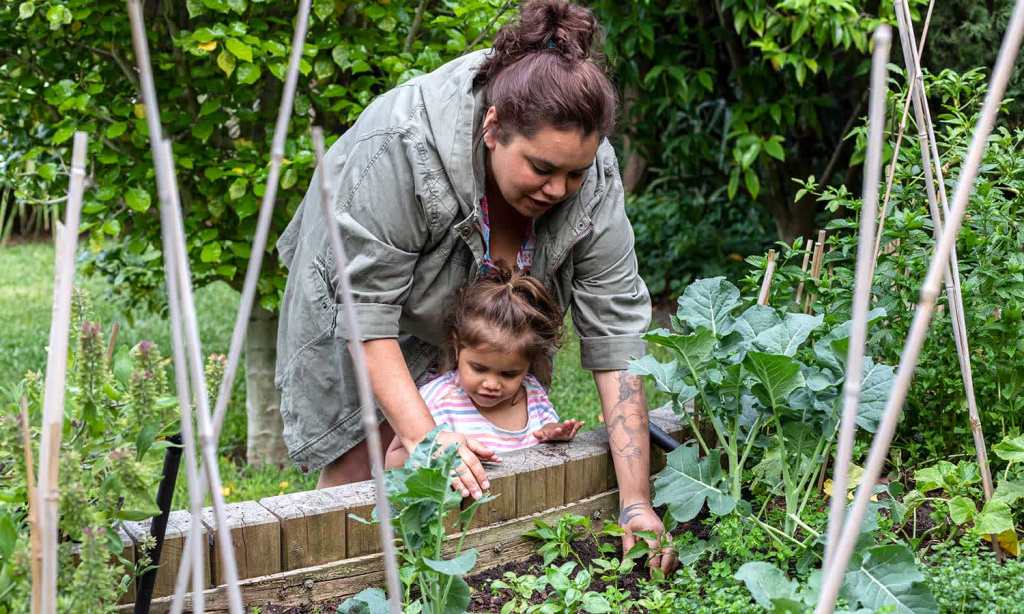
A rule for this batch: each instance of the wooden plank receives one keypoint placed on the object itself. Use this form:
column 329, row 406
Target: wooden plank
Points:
column 358, row 499
column 588, row 465
column 255, row 538
column 312, row 528
column 503, row 486
column 496, row 545
column 178, row 525
column 540, row 480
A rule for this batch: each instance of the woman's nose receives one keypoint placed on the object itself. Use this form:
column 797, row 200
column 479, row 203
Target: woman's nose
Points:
column 554, row 189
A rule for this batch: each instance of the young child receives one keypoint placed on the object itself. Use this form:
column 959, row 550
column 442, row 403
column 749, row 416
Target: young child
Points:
column 505, row 329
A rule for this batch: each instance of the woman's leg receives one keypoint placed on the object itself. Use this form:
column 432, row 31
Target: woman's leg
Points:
column 354, row 465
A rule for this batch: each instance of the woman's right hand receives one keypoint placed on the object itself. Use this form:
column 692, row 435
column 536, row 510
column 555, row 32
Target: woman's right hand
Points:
column 470, row 477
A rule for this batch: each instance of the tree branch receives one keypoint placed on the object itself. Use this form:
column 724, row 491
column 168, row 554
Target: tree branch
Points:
column 417, row 21
column 486, row 29
column 110, row 53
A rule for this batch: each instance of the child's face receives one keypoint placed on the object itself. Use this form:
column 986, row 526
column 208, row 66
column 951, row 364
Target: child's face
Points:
column 491, row 376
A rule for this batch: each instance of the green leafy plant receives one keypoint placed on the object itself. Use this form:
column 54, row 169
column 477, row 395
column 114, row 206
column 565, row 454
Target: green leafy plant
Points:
column 884, row 576
column 421, row 498
column 117, row 416
column 759, row 388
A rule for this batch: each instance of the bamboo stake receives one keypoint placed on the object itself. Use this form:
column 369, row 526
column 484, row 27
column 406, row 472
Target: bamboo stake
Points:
column 862, row 286
column 194, row 547
column 167, row 187
column 919, row 327
column 207, row 440
column 766, row 285
column 47, row 495
column 252, row 273
column 957, row 311
column 366, row 404
column 33, row 506
column 115, row 328
column 803, row 269
column 891, row 173
column 819, row 255
column 930, row 160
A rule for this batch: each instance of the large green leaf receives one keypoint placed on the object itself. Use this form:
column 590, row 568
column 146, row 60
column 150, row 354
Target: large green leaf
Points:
column 888, row 576
column 693, row 350
column 777, row 376
column 687, row 483
column 787, row 336
column 666, row 375
column 828, row 351
column 709, row 303
column 1009, row 491
column 458, row 598
column 876, row 383
column 754, row 320
column 1010, row 449
column 458, row 566
column 766, row 583
column 994, row 518
column 369, row 601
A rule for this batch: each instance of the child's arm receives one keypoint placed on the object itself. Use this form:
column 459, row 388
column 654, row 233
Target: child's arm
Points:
column 558, row 431
column 396, row 455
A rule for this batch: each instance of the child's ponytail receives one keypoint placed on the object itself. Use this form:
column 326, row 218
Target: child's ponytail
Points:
column 510, row 310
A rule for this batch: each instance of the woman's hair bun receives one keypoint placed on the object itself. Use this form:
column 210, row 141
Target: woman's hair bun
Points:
column 563, row 27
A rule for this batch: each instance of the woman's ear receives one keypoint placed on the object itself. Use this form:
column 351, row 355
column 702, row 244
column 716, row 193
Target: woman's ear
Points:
column 491, row 127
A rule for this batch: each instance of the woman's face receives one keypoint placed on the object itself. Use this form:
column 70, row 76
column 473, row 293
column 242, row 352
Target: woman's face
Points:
column 535, row 174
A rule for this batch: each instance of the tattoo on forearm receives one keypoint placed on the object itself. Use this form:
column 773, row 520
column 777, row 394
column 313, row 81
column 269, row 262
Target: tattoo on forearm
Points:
column 630, row 512
column 628, row 427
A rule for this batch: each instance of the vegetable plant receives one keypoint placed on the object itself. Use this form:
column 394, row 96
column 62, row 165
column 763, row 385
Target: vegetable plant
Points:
column 768, row 397
column 421, row 496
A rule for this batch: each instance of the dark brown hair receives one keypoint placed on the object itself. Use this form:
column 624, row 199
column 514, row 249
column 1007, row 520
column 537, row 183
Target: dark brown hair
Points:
column 542, row 72
column 507, row 310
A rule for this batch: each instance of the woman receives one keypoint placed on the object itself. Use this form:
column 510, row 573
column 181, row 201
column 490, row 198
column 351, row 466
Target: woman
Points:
column 498, row 155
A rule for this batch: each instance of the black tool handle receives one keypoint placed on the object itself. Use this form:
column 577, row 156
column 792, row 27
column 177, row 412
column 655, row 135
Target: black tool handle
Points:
column 164, row 495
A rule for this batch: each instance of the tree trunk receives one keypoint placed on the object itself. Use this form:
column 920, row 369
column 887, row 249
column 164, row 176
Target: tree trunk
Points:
column 264, row 439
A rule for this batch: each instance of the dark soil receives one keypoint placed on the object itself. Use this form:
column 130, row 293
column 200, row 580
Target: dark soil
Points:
column 483, row 600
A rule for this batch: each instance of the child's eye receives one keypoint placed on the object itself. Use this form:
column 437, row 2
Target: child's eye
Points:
column 539, row 170
column 477, row 368
column 510, row 374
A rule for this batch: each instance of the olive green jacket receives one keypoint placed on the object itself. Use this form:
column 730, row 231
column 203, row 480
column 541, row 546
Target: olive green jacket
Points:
column 407, row 180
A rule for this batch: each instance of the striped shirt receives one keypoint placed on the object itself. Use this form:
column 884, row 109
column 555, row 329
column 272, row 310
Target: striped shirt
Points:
column 449, row 404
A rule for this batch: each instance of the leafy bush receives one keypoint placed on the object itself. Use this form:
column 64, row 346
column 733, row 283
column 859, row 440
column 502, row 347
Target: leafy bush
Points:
column 749, row 375
column 990, row 248
column 218, row 68
column 115, row 418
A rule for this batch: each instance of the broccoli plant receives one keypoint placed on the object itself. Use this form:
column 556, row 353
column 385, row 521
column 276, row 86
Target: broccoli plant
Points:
column 768, row 394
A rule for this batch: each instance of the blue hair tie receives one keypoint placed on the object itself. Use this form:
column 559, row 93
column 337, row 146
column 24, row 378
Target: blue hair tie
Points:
column 551, row 44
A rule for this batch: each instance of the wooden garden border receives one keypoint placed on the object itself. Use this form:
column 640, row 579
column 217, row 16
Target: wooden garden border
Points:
column 303, row 547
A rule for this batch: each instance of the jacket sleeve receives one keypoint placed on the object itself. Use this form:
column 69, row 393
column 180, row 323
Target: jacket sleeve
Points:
column 383, row 229
column 611, row 307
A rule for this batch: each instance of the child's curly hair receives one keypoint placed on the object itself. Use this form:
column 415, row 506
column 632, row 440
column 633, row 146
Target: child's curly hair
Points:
column 509, row 310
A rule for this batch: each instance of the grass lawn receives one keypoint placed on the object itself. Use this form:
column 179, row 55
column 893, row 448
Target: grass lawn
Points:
column 26, row 294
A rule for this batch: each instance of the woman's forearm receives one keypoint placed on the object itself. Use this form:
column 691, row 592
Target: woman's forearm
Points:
column 625, row 414
column 396, row 391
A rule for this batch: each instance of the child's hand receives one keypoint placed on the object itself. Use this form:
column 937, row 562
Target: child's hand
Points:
column 555, row 431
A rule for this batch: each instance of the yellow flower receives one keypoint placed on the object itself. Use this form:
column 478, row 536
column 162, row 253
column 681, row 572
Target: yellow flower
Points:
column 283, row 485
column 226, row 491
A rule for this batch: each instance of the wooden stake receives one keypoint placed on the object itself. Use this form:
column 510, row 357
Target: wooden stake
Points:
column 366, row 404
column 930, row 161
column 819, row 255
column 47, row 496
column 766, row 285
column 833, row 577
column 33, row 507
column 168, row 189
column 112, row 342
column 803, row 269
column 252, row 273
column 862, row 287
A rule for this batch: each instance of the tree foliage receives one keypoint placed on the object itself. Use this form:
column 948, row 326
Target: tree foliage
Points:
column 219, row 67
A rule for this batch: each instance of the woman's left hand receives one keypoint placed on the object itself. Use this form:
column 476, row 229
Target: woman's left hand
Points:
column 640, row 516
column 555, row 431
